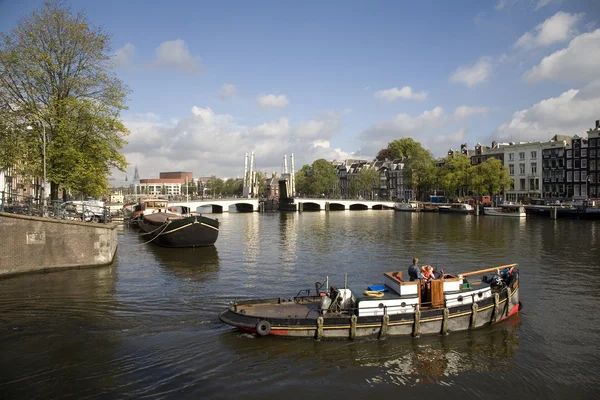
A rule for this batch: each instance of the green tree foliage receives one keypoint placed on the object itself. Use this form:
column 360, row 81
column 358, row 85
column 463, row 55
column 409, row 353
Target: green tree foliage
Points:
column 366, row 182
column 233, row 186
column 55, row 74
column 302, row 180
column 454, row 175
column 385, row 154
column 491, row 177
column 316, row 179
column 419, row 164
column 215, row 186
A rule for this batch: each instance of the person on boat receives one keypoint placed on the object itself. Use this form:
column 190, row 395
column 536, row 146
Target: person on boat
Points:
column 414, row 272
column 427, row 272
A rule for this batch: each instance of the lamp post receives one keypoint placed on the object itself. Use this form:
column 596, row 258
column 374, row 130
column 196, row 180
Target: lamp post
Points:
column 30, row 128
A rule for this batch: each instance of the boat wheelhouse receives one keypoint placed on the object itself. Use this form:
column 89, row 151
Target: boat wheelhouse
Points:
column 395, row 308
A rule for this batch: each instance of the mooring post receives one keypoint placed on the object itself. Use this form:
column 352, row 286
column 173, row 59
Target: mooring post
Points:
column 496, row 313
column 326, row 206
column 553, row 212
column 417, row 323
column 353, row 326
column 445, row 321
column 474, row 309
column 300, row 206
column 319, row 327
column 384, row 326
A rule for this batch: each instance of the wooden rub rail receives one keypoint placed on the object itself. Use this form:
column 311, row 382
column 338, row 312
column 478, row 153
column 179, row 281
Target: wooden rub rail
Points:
column 483, row 271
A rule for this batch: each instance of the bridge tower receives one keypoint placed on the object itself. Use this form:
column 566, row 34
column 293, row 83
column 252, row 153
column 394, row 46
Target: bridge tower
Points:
column 250, row 188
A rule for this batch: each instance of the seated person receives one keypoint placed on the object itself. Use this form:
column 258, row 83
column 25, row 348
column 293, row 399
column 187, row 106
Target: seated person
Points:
column 427, row 272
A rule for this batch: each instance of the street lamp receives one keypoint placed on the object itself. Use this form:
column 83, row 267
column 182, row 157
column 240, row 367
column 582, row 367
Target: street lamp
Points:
column 30, row 128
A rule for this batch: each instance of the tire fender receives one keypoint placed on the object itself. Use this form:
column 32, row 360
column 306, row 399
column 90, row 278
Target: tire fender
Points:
column 263, row 328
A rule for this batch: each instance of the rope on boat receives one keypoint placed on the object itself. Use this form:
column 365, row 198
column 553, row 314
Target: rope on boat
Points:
column 164, row 226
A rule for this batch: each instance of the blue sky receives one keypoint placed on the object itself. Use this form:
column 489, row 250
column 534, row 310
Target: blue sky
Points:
column 212, row 81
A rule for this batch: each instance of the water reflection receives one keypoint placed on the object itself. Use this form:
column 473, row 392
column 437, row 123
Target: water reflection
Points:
column 400, row 361
column 199, row 263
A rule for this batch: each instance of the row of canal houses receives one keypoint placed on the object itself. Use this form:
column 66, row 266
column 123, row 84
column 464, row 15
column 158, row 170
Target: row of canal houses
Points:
column 562, row 168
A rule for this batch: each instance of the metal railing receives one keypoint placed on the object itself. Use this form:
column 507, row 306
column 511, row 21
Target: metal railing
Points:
column 56, row 209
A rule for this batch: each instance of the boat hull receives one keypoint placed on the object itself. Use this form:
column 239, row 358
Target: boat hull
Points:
column 454, row 211
column 497, row 212
column 193, row 231
column 312, row 324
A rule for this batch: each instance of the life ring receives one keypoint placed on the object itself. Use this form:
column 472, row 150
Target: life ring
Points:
column 263, row 328
column 373, row 293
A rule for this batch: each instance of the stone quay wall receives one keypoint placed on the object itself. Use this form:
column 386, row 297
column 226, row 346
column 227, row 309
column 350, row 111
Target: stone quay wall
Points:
column 30, row 244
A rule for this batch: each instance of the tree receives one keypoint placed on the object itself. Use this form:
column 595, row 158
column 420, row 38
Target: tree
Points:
column 454, row 175
column 492, row 177
column 302, row 180
column 55, row 74
column 385, row 154
column 366, row 181
column 215, row 185
column 322, row 178
column 419, row 167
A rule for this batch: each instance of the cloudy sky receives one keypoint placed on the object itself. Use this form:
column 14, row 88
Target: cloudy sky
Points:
column 213, row 80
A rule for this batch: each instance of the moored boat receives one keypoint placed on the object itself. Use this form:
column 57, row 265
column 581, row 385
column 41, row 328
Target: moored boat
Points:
column 174, row 230
column 506, row 210
column 457, row 208
column 411, row 206
column 395, row 308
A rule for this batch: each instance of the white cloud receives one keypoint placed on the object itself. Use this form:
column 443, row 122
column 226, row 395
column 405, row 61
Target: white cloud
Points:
column 573, row 112
column 394, row 94
column 123, row 58
column 450, row 139
column 227, row 91
column 544, row 3
column 500, row 5
column 272, row 101
column 176, row 55
column 579, row 62
column 207, row 143
column 558, row 28
column 466, row 111
column 474, row 75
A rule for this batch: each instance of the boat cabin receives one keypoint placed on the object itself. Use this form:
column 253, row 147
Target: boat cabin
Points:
column 400, row 296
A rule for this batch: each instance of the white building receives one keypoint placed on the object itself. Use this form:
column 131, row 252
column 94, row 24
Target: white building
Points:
column 524, row 162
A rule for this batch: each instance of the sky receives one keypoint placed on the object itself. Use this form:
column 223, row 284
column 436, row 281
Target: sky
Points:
column 214, row 80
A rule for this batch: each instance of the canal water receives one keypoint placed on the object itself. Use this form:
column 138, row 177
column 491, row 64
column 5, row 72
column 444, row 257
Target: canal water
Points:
column 147, row 326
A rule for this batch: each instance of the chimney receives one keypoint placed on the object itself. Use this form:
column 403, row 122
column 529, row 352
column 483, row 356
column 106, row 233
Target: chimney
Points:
column 494, row 144
column 597, row 123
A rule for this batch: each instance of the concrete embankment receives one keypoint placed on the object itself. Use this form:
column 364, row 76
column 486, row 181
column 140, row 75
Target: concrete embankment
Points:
column 30, row 244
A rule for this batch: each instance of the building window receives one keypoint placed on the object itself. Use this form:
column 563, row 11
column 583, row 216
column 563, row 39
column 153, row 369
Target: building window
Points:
column 511, row 169
column 522, row 184
column 546, row 153
column 511, row 156
column 531, row 184
column 521, row 169
column 592, row 142
column 561, row 163
column 592, row 165
column 569, row 176
column 533, row 155
column 592, row 153
column 569, row 153
column 569, row 164
column 577, row 163
column 561, row 152
column 583, row 176
column 534, row 168
column 522, row 155
column 576, row 176
column 584, row 163
column 583, row 152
